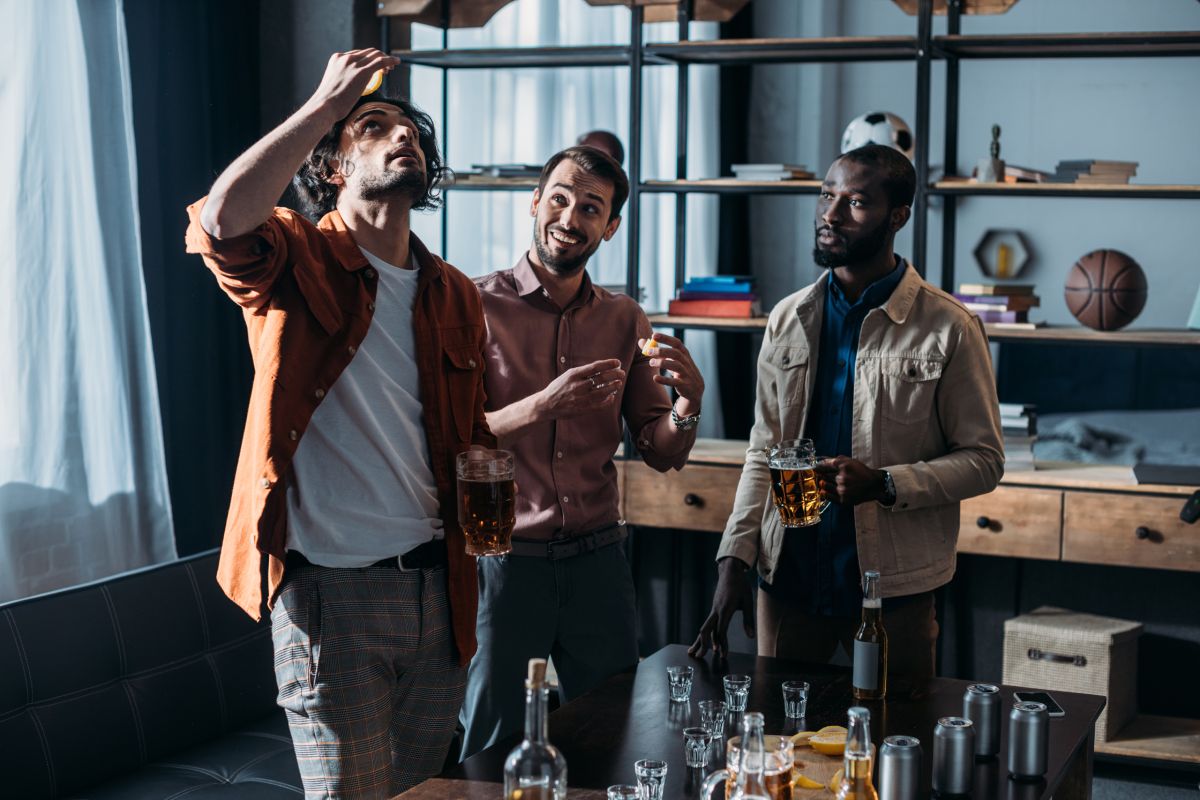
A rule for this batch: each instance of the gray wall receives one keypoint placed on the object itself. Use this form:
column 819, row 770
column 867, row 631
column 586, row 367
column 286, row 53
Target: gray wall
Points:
column 1143, row 110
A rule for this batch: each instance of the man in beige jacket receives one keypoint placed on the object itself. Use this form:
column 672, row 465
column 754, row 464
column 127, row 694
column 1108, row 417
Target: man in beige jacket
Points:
column 892, row 379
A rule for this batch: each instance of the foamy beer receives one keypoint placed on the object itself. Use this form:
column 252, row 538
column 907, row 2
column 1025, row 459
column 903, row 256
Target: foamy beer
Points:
column 486, row 501
column 794, row 487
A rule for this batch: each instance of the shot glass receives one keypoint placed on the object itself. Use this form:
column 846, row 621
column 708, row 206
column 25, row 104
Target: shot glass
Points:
column 695, row 746
column 680, row 680
column 651, row 775
column 795, row 699
column 737, row 689
column 712, row 717
column 624, row 791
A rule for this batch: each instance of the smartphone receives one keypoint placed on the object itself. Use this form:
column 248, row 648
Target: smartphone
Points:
column 1052, row 708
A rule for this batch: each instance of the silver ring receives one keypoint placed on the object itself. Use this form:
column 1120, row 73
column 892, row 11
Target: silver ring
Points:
column 592, row 380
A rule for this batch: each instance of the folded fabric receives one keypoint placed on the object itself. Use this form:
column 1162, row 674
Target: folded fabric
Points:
column 1076, row 440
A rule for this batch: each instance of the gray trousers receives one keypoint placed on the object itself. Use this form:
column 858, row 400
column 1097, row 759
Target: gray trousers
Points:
column 580, row 611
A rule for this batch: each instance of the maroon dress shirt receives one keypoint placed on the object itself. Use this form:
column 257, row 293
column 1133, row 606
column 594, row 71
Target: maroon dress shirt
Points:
column 565, row 473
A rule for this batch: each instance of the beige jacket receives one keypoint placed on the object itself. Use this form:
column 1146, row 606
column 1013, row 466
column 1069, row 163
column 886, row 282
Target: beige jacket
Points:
column 925, row 409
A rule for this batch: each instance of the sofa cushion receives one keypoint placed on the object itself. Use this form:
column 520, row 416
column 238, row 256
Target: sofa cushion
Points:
column 100, row 680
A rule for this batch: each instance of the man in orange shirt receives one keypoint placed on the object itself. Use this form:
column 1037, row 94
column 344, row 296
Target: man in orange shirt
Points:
column 369, row 368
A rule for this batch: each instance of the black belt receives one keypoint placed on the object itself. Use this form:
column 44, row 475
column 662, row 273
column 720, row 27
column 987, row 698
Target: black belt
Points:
column 430, row 555
column 557, row 549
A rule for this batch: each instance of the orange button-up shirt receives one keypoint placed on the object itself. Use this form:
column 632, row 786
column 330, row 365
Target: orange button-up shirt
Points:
column 308, row 294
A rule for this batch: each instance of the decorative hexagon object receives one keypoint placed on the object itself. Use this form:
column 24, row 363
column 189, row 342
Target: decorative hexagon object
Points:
column 1002, row 253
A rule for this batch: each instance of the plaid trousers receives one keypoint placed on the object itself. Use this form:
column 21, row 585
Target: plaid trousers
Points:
column 367, row 673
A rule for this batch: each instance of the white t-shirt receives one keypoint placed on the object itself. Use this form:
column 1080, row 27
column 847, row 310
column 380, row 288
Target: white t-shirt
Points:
column 362, row 487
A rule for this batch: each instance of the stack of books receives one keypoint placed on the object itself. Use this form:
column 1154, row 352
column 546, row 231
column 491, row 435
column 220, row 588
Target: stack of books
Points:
column 1018, row 423
column 1091, row 170
column 1001, row 304
column 505, row 170
column 770, row 172
column 717, row 296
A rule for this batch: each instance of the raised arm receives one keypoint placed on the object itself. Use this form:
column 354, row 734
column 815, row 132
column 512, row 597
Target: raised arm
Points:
column 245, row 194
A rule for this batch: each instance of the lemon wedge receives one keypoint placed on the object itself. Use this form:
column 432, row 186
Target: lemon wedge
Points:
column 836, row 781
column 802, row 737
column 832, row 729
column 805, row 782
column 829, row 744
column 375, row 82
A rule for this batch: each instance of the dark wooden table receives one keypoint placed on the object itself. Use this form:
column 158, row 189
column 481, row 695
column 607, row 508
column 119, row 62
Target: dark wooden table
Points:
column 630, row 717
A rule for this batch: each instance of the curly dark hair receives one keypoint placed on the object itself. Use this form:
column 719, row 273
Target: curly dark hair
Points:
column 320, row 196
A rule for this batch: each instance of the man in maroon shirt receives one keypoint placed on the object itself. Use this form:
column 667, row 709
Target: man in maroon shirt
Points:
column 564, row 369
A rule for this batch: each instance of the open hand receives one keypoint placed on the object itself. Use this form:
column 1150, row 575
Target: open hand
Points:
column 732, row 595
column 583, row 389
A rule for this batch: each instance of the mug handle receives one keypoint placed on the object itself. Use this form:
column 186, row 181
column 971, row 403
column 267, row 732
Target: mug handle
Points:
column 711, row 783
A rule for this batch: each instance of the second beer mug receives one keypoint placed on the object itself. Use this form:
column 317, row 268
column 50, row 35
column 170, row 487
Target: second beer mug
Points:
column 794, row 487
column 486, row 501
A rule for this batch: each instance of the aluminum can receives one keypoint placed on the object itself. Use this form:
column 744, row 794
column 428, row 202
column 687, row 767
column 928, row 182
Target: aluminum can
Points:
column 1028, row 740
column 953, row 755
column 981, row 705
column 899, row 768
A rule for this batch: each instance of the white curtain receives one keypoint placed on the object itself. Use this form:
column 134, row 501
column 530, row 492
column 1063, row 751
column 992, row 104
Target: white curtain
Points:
column 526, row 115
column 83, row 487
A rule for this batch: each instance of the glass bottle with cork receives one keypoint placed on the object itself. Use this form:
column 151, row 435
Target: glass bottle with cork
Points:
column 870, row 645
column 535, row 770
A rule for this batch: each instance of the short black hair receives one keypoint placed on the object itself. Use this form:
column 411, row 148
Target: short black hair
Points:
column 594, row 162
column 604, row 140
column 899, row 177
column 312, row 179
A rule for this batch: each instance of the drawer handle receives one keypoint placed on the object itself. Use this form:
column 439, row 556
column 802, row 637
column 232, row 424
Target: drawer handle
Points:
column 691, row 499
column 1041, row 655
column 1142, row 532
column 983, row 522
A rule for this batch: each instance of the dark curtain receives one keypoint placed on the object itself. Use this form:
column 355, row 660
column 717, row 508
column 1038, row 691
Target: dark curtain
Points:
column 194, row 66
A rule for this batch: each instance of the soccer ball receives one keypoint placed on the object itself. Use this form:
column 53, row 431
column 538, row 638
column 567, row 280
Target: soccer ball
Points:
column 878, row 127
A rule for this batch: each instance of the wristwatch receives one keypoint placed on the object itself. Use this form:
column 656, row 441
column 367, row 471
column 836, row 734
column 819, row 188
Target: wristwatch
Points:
column 889, row 489
column 684, row 423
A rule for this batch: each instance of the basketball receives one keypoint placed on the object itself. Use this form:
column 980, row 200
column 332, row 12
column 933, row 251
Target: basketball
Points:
column 1106, row 290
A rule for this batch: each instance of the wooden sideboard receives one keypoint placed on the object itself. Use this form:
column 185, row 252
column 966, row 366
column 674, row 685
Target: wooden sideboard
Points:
column 1074, row 513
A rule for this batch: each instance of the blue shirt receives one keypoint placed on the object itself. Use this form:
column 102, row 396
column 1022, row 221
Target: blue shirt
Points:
column 818, row 567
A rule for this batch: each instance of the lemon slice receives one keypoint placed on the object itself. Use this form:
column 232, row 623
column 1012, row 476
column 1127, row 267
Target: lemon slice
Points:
column 802, row 737
column 836, row 781
column 375, row 82
column 804, row 782
column 829, row 744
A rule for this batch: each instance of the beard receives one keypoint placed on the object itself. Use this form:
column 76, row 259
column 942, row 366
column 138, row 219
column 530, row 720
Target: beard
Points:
column 561, row 265
column 857, row 250
column 408, row 183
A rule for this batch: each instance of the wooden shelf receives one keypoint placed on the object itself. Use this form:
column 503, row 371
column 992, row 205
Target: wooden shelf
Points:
column 1070, row 45
column 486, row 184
column 751, row 324
column 1081, row 335
column 1158, row 738
column 518, row 57
column 766, row 51
column 731, row 186
column 962, row 187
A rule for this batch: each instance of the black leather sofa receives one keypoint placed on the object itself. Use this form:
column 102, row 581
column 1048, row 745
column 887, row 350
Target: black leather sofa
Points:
column 150, row 684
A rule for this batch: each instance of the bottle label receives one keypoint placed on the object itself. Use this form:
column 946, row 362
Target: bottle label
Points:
column 866, row 665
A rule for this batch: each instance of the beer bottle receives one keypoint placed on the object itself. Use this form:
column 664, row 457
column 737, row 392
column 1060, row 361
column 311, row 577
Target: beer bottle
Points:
column 751, row 782
column 535, row 770
column 856, row 766
column 870, row 645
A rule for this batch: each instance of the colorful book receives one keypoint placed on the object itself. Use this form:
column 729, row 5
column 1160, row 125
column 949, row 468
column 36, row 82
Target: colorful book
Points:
column 693, row 294
column 999, row 302
column 714, row 308
column 1003, row 316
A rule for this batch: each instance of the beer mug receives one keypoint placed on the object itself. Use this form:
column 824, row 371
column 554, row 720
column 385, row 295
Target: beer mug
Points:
column 777, row 772
column 486, row 501
column 794, row 486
